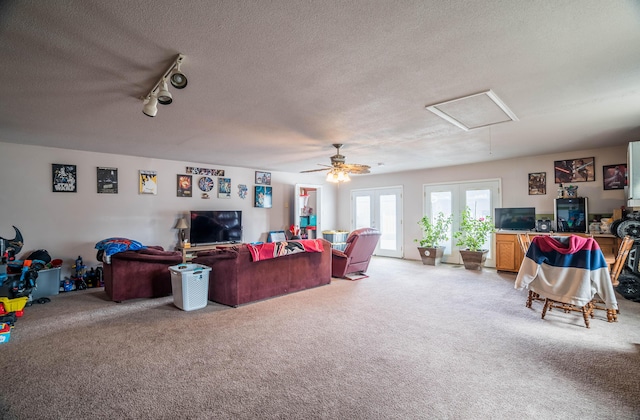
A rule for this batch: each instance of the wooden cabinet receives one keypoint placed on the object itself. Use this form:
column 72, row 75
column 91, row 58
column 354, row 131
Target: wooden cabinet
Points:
column 509, row 255
column 508, row 252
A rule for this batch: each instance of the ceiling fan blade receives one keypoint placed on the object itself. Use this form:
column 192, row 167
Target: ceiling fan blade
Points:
column 315, row 170
column 356, row 168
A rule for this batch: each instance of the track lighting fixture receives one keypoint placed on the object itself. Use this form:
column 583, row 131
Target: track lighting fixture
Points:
column 150, row 108
column 178, row 79
column 164, row 96
column 160, row 92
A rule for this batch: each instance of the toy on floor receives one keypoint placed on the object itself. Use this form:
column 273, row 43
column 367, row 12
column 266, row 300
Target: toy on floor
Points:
column 79, row 275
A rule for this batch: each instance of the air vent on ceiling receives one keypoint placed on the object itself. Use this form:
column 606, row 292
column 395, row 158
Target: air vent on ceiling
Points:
column 474, row 111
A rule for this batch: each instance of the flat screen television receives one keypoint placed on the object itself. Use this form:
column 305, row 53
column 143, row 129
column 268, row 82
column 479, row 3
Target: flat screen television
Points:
column 215, row 226
column 515, row 218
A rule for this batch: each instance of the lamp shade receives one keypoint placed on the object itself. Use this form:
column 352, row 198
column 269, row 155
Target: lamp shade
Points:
column 181, row 224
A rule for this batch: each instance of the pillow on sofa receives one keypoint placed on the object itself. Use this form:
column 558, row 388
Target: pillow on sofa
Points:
column 112, row 246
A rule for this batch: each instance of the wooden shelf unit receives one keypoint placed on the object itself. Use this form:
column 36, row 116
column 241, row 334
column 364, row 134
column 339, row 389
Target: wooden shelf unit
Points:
column 189, row 253
column 509, row 255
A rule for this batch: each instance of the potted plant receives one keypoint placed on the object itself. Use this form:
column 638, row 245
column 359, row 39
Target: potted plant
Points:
column 472, row 236
column 433, row 233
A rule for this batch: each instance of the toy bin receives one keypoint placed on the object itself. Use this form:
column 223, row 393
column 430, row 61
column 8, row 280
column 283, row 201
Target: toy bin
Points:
column 335, row 236
column 190, row 285
column 47, row 283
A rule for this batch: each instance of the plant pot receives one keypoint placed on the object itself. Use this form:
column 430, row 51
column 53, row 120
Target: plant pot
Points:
column 473, row 260
column 431, row 256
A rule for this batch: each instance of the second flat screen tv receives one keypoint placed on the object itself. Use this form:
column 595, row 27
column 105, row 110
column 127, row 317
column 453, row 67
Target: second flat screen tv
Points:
column 516, row 218
column 215, row 226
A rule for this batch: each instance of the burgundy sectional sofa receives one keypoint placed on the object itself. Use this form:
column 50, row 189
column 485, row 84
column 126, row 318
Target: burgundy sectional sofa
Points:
column 235, row 279
column 140, row 274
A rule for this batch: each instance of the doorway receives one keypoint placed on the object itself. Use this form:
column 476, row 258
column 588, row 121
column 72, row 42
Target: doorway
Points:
column 482, row 197
column 381, row 209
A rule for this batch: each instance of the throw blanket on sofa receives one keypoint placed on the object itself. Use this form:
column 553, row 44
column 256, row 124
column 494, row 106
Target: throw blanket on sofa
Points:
column 567, row 269
column 280, row 249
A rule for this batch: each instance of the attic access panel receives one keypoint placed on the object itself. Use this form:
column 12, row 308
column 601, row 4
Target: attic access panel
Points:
column 474, row 111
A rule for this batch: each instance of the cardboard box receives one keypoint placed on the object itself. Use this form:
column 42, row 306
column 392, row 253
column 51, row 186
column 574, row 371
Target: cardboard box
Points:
column 617, row 214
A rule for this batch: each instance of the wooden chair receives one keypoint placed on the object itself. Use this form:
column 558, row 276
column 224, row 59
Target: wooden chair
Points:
column 616, row 264
column 525, row 240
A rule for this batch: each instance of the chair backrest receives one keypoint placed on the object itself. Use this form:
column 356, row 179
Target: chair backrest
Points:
column 524, row 240
column 361, row 243
column 621, row 258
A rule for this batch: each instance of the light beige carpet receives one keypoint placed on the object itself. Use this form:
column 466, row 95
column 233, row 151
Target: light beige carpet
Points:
column 409, row 342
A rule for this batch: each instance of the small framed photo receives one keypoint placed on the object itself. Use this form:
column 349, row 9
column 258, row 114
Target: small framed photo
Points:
column 107, row 180
column 574, row 170
column 64, row 177
column 263, row 197
column 614, row 177
column 538, row 183
column 263, row 178
column 185, row 185
column 148, row 182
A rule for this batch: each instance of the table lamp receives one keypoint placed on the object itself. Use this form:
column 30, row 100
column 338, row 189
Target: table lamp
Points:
column 182, row 225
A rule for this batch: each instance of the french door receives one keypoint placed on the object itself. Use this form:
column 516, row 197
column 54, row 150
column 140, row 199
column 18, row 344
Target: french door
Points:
column 380, row 209
column 482, row 197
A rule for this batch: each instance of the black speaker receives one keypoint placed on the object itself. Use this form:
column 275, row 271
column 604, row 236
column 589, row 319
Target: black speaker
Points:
column 543, row 225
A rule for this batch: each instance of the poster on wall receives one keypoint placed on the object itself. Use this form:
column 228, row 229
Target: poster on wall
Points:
column 185, row 186
column 148, row 182
column 263, row 197
column 107, row 180
column 224, row 187
column 64, row 177
column 574, row 170
column 614, row 177
column 538, row 183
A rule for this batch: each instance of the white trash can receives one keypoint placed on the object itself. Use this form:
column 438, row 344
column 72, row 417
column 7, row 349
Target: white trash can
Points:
column 190, row 285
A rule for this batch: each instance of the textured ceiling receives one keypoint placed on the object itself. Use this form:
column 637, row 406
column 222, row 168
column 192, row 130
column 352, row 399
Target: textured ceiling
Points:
column 272, row 84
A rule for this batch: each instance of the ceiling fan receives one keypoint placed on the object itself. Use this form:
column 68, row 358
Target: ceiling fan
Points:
column 339, row 170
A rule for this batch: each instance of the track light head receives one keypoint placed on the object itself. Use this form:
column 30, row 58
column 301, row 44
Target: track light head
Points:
column 164, row 96
column 150, row 108
column 178, row 79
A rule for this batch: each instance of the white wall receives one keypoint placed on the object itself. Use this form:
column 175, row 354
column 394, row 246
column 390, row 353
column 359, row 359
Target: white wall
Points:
column 69, row 224
column 514, row 175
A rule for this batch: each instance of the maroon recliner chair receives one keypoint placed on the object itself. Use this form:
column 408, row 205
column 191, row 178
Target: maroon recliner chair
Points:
column 356, row 256
column 140, row 274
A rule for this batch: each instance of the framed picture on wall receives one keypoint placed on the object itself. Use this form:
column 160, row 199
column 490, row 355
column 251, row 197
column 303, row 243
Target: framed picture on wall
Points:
column 538, row 183
column 148, row 182
column 224, row 187
column 64, row 177
column 574, row 170
column 614, row 177
column 185, row 185
column 107, row 180
column 263, row 178
column 263, row 197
